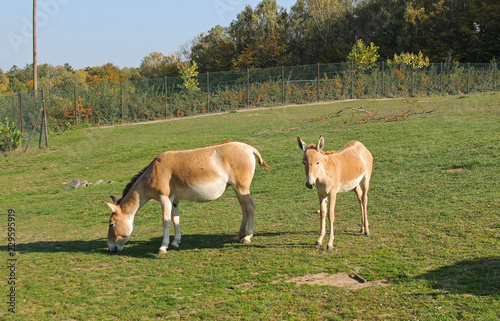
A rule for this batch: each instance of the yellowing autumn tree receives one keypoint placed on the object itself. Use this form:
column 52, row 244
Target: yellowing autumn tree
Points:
column 189, row 72
column 364, row 56
column 410, row 59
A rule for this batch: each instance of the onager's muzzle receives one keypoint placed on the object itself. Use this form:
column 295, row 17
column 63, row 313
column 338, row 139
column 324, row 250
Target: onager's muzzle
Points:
column 113, row 247
column 117, row 240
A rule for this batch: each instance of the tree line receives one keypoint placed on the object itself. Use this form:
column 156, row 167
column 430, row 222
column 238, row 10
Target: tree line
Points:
column 310, row 32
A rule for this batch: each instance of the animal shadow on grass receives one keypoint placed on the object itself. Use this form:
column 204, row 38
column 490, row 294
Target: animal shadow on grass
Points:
column 93, row 246
column 478, row 277
column 139, row 248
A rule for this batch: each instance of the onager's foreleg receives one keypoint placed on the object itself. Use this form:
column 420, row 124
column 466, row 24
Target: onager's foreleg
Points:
column 166, row 206
column 331, row 217
column 323, row 201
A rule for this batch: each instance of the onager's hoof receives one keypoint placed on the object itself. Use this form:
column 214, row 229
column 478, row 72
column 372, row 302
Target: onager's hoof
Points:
column 328, row 248
column 317, row 243
column 162, row 251
column 246, row 241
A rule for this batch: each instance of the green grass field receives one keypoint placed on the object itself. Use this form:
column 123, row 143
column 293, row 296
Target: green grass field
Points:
column 433, row 209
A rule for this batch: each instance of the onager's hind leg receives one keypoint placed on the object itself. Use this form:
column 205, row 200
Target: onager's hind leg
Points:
column 247, row 221
column 362, row 194
column 176, row 218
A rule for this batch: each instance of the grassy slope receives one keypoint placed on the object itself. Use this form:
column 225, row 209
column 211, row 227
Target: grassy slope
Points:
column 433, row 209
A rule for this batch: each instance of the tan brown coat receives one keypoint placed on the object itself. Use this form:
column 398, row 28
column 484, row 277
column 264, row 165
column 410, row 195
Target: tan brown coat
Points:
column 198, row 175
column 335, row 172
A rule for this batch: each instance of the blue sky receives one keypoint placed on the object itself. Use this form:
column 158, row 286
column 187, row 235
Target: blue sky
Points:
column 91, row 33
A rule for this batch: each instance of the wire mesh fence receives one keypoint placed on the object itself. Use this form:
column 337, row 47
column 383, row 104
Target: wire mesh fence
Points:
column 152, row 99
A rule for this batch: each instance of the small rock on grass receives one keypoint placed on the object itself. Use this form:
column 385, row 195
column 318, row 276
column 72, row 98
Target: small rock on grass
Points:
column 74, row 184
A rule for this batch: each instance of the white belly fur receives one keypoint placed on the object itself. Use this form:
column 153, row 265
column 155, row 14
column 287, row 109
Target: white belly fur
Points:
column 349, row 186
column 203, row 192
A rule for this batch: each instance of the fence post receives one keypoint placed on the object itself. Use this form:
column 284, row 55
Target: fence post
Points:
column 383, row 79
column 495, row 76
column 208, row 92
column 166, row 98
column 282, row 85
column 317, row 85
column 441, row 78
column 412, row 80
column 76, row 107
column 248, row 87
column 468, row 78
column 21, row 111
column 352, row 79
column 121, row 98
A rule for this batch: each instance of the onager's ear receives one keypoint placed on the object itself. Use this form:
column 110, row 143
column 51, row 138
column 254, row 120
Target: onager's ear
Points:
column 112, row 207
column 321, row 144
column 115, row 201
column 302, row 145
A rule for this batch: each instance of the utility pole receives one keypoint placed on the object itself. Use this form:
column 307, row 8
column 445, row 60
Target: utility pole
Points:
column 35, row 77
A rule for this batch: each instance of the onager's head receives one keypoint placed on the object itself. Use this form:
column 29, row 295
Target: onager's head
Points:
column 120, row 228
column 311, row 160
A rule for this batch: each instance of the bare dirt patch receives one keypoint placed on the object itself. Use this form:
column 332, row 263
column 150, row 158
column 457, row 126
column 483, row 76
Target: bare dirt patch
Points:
column 339, row 279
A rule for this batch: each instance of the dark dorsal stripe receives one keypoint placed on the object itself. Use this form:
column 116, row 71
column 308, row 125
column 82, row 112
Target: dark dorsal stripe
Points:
column 133, row 180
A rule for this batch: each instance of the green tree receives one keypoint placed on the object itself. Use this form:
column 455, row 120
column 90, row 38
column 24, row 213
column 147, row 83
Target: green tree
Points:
column 266, row 54
column 254, row 30
column 465, row 30
column 59, row 77
column 320, row 30
column 157, row 65
column 4, row 83
column 214, row 51
column 15, row 85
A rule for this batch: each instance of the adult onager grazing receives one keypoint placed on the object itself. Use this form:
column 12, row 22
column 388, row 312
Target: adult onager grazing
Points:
column 198, row 175
column 335, row 172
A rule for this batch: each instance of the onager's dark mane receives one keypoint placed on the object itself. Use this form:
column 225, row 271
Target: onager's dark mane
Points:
column 133, row 180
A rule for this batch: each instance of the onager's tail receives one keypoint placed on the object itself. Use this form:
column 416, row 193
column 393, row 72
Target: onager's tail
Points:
column 262, row 163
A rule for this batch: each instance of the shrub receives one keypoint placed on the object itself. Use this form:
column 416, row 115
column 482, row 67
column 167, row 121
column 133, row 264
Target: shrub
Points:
column 10, row 136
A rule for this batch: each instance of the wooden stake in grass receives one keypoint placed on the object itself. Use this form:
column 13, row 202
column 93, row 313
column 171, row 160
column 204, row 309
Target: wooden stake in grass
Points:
column 41, row 112
column 43, row 127
column 45, row 120
column 34, row 127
